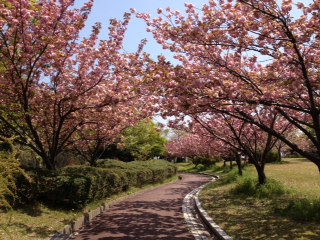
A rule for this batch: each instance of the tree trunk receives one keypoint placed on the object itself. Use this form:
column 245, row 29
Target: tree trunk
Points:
column 238, row 161
column 93, row 162
column 231, row 164
column 49, row 163
column 279, row 154
column 261, row 175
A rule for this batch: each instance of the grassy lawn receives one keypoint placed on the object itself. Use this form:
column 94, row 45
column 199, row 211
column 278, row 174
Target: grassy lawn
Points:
column 268, row 217
column 189, row 167
column 298, row 174
column 39, row 222
column 185, row 166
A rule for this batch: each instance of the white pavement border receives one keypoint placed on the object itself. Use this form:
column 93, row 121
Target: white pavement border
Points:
column 84, row 220
column 196, row 227
column 192, row 222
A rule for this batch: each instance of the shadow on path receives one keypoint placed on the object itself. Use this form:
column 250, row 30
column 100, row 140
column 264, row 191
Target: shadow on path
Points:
column 155, row 214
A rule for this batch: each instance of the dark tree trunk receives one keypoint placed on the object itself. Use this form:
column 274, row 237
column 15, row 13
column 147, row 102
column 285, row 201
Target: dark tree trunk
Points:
column 93, row 162
column 49, row 162
column 279, row 153
column 261, row 175
column 238, row 161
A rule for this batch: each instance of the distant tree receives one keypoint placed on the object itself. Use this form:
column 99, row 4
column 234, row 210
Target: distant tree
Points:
column 113, row 151
column 144, row 141
column 199, row 148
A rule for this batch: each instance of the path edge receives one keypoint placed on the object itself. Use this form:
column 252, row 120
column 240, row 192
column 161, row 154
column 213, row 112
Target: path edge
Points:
column 81, row 222
column 215, row 228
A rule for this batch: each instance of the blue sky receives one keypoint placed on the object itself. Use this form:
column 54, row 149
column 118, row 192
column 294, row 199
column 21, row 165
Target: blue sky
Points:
column 103, row 10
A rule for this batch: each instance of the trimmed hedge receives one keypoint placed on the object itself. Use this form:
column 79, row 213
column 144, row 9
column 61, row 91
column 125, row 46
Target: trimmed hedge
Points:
column 75, row 186
column 137, row 174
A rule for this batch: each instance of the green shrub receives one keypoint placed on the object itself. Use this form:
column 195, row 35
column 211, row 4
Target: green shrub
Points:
column 229, row 175
column 143, row 172
column 249, row 186
column 112, row 163
column 137, row 174
column 9, row 169
column 200, row 167
column 75, row 186
column 96, row 183
column 72, row 187
column 64, row 191
column 302, row 210
column 160, row 169
column 271, row 157
column 207, row 162
column 28, row 190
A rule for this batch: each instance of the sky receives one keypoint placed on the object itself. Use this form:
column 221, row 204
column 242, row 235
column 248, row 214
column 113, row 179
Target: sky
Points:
column 103, row 10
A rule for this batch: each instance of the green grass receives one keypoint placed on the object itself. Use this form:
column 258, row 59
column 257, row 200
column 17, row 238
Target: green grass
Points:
column 297, row 174
column 248, row 186
column 288, row 207
column 185, row 166
column 189, row 167
column 39, row 222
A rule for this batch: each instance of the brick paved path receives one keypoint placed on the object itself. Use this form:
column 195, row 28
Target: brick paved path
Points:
column 154, row 214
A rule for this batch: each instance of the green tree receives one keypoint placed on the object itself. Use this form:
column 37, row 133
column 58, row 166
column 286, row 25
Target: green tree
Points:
column 144, row 141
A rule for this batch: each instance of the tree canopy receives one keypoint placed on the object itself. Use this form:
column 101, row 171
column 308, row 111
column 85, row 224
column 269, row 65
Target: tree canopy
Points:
column 144, row 141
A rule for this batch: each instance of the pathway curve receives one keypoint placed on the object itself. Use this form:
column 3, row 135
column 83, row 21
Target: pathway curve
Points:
column 153, row 214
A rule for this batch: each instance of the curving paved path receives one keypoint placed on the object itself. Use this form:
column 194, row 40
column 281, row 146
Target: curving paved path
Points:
column 154, row 214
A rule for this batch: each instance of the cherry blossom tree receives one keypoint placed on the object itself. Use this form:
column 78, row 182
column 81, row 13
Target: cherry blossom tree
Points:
column 191, row 145
column 105, row 127
column 239, row 56
column 51, row 80
column 242, row 138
